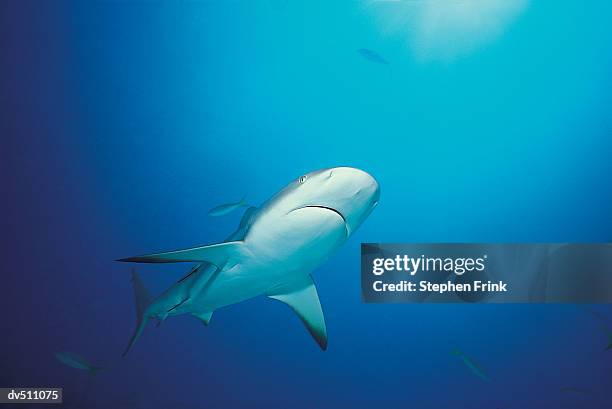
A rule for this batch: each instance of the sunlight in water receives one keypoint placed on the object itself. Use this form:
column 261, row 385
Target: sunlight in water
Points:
column 446, row 29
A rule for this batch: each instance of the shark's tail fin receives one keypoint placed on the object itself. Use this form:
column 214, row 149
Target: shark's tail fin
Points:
column 142, row 298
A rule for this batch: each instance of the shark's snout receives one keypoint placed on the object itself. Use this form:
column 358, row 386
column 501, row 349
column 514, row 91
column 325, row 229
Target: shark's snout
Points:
column 366, row 187
column 352, row 193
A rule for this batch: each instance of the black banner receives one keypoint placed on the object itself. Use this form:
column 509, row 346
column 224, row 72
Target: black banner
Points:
column 491, row 273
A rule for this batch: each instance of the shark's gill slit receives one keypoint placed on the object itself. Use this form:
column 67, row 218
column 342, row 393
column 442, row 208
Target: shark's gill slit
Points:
column 346, row 225
column 327, row 208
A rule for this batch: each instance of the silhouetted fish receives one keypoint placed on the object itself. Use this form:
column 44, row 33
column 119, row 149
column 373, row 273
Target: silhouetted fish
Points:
column 77, row 362
column 574, row 389
column 372, row 55
column 471, row 364
column 224, row 209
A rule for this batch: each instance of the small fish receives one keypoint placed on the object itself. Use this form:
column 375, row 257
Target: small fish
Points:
column 224, row 209
column 471, row 364
column 372, row 55
column 605, row 326
column 77, row 362
column 574, row 389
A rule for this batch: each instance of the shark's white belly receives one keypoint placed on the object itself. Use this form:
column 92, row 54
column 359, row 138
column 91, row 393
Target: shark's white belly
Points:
column 279, row 249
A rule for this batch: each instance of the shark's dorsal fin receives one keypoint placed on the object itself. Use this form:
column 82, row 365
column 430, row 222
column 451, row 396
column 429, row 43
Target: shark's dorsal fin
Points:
column 245, row 224
column 217, row 254
column 247, row 217
column 302, row 297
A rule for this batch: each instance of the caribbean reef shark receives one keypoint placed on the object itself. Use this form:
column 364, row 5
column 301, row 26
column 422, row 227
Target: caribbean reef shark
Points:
column 272, row 253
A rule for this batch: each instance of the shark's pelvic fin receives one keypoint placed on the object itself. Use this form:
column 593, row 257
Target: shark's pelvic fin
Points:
column 302, row 297
column 204, row 317
column 142, row 300
column 217, row 254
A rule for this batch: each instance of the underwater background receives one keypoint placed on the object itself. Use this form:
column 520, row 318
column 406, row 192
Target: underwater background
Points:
column 123, row 122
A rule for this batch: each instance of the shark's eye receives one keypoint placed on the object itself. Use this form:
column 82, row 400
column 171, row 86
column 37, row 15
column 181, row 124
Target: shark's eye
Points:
column 302, row 179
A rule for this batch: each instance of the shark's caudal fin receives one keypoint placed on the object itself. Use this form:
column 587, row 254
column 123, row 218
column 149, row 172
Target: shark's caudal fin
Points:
column 217, row 254
column 303, row 299
column 142, row 300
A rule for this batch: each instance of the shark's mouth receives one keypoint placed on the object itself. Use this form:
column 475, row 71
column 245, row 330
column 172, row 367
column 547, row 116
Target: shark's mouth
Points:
column 346, row 225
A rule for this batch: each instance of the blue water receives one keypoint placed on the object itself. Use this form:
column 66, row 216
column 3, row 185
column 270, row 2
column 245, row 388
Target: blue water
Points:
column 123, row 122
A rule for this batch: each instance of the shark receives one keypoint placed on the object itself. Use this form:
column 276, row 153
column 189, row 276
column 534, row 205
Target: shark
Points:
column 272, row 253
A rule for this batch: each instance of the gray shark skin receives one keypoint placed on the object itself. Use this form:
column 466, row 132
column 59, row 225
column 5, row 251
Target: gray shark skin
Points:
column 273, row 252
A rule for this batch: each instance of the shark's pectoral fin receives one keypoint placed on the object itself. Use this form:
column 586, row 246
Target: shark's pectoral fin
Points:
column 302, row 297
column 203, row 316
column 217, row 254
